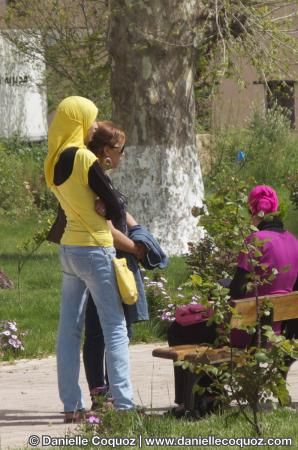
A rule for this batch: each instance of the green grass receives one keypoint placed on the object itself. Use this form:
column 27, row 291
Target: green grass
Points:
column 36, row 310
column 151, row 331
column 282, row 423
column 176, row 273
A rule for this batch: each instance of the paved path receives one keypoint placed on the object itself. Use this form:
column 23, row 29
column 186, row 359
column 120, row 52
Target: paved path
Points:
column 30, row 402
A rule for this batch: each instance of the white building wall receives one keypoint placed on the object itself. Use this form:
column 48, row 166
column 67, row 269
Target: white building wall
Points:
column 23, row 106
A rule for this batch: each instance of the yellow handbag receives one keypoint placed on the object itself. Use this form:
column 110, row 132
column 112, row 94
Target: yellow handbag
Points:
column 126, row 281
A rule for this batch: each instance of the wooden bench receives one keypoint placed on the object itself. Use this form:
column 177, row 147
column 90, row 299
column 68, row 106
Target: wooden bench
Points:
column 284, row 307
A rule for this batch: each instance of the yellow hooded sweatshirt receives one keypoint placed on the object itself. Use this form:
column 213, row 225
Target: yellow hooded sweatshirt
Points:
column 69, row 128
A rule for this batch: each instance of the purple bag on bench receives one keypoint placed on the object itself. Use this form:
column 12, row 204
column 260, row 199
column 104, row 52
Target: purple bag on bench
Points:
column 192, row 313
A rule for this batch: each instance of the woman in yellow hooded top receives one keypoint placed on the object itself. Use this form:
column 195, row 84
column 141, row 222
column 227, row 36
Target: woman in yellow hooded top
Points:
column 76, row 178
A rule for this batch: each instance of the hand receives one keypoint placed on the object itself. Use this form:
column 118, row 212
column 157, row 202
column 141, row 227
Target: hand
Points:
column 100, row 207
column 140, row 251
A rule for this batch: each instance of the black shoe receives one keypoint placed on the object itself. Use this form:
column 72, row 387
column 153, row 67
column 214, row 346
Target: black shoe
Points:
column 205, row 405
column 178, row 412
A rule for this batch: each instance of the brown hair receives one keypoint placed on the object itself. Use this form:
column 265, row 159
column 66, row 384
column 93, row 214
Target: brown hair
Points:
column 107, row 133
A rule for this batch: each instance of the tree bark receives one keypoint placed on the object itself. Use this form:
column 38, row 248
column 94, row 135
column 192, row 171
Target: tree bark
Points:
column 152, row 51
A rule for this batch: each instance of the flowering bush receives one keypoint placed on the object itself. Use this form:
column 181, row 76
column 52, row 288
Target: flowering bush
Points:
column 157, row 295
column 167, row 314
column 162, row 304
column 10, row 337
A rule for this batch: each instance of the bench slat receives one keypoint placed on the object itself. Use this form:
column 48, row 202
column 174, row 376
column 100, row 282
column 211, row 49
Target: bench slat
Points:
column 193, row 352
column 210, row 355
column 178, row 353
column 285, row 307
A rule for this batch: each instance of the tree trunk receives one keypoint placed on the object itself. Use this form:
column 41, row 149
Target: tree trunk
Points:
column 152, row 50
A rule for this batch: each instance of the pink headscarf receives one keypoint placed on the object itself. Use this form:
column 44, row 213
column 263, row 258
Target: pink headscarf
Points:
column 262, row 198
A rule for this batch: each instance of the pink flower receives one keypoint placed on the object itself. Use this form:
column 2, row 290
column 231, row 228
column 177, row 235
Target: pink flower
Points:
column 12, row 326
column 94, row 419
column 6, row 333
column 13, row 343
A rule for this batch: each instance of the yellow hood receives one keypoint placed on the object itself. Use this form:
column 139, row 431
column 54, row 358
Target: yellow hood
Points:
column 69, row 128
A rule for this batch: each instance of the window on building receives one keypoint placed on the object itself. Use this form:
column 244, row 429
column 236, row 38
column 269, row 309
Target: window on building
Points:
column 282, row 93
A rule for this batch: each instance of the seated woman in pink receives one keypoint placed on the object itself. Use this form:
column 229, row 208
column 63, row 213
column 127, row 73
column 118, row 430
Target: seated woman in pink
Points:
column 279, row 254
column 279, row 250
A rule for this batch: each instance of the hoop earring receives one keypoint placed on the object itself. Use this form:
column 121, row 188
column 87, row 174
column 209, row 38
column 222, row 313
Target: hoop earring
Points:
column 107, row 162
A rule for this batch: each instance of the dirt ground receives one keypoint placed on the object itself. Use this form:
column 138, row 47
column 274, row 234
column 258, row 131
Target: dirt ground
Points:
column 30, row 404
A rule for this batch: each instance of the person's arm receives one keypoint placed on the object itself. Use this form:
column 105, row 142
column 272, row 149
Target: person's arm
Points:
column 101, row 210
column 122, row 242
column 102, row 186
column 100, row 207
column 130, row 221
column 238, row 284
column 244, row 268
column 57, row 229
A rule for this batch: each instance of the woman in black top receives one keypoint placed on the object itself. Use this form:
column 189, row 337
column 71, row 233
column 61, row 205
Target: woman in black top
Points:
column 103, row 146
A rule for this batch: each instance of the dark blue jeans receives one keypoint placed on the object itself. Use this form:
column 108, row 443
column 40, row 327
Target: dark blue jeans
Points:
column 94, row 347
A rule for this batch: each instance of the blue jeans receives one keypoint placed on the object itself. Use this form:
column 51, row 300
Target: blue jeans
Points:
column 91, row 267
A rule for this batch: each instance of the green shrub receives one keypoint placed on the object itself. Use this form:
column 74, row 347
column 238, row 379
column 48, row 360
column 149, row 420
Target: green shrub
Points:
column 292, row 180
column 22, row 185
column 263, row 153
column 15, row 196
column 269, row 146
